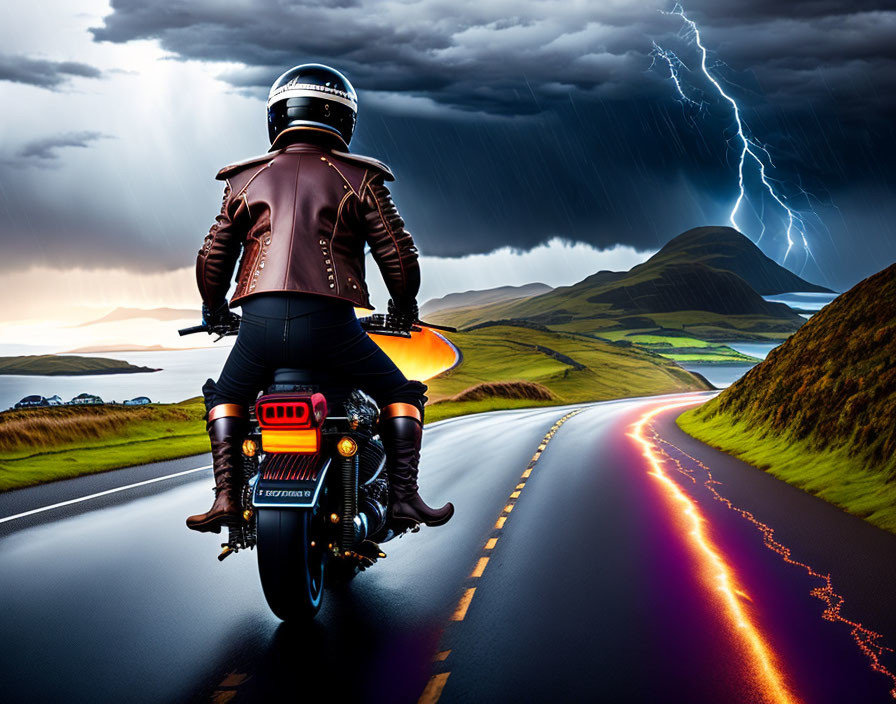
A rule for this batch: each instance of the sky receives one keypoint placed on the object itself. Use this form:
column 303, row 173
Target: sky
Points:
column 532, row 140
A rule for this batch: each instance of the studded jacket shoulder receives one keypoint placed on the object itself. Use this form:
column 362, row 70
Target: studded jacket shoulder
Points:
column 298, row 219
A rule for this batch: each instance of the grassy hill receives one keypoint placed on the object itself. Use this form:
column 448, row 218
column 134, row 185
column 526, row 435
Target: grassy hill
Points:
column 43, row 444
column 819, row 412
column 572, row 368
column 685, row 287
column 56, row 365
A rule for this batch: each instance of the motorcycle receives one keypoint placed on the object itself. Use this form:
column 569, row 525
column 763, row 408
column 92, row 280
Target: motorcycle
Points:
column 315, row 490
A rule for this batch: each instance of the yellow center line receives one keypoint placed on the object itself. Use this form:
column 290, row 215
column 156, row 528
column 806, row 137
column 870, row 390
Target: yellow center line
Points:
column 436, row 683
column 463, row 605
column 434, row 688
column 480, row 567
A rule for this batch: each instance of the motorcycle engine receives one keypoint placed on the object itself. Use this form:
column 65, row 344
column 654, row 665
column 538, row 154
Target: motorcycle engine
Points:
column 373, row 487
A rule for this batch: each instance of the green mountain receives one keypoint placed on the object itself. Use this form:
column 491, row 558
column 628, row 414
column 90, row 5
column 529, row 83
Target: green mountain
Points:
column 482, row 297
column 819, row 412
column 726, row 249
column 695, row 283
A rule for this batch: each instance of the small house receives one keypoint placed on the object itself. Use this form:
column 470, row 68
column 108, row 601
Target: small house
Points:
column 85, row 400
column 138, row 401
column 32, row 402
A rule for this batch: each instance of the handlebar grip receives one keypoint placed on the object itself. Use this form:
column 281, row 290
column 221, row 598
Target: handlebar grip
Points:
column 433, row 326
column 192, row 330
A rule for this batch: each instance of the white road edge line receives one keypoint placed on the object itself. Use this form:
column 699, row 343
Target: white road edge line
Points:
column 101, row 493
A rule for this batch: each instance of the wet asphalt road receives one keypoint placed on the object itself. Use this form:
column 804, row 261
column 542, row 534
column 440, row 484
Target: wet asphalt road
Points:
column 593, row 590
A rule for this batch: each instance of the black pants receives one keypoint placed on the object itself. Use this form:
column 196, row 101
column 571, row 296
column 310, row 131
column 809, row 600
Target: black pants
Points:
column 308, row 332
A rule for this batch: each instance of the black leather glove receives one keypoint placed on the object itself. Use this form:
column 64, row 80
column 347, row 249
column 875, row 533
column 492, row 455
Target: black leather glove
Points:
column 403, row 318
column 220, row 318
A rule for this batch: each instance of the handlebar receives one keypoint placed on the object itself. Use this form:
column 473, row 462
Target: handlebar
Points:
column 194, row 329
column 376, row 324
column 379, row 324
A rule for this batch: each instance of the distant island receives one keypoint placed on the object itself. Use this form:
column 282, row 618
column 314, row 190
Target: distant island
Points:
column 166, row 314
column 55, row 365
column 93, row 349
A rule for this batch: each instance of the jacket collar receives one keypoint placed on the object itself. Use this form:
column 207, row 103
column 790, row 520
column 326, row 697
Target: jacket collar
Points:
column 306, row 135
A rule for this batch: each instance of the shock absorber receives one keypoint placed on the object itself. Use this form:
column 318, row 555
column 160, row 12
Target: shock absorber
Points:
column 349, row 500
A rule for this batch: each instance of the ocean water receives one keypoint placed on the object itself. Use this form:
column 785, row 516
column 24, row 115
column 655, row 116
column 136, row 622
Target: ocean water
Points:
column 720, row 375
column 759, row 350
column 182, row 376
column 813, row 302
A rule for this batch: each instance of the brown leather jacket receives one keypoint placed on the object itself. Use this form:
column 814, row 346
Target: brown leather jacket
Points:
column 301, row 216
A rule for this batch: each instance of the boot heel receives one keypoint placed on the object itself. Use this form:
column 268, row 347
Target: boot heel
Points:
column 404, row 525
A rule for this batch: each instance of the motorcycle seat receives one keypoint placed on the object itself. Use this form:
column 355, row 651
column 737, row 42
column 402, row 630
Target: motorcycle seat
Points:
column 296, row 376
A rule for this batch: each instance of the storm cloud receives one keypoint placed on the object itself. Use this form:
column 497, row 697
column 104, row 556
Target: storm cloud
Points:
column 46, row 150
column 520, row 56
column 41, row 72
column 508, row 123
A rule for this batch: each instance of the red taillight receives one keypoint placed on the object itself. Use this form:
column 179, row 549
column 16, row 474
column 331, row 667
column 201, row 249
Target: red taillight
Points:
column 284, row 414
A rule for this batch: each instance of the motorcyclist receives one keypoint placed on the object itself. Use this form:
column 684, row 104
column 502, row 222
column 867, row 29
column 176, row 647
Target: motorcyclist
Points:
column 302, row 214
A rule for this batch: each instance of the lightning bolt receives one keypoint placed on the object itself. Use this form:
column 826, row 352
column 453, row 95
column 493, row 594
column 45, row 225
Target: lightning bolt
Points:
column 752, row 152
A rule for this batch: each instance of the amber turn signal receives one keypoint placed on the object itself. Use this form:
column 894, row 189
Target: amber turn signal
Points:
column 303, row 442
column 250, row 447
column 347, row 447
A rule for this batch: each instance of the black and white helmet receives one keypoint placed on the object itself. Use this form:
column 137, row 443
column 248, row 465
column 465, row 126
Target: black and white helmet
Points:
column 312, row 95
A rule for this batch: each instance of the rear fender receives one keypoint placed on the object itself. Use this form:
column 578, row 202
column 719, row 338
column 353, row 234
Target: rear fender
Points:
column 287, row 480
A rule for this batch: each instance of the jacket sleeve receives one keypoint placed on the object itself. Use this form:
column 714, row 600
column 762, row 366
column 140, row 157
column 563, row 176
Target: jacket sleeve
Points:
column 220, row 251
column 390, row 243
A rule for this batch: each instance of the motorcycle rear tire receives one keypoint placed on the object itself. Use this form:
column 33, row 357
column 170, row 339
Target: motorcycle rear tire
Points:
column 291, row 571
column 340, row 573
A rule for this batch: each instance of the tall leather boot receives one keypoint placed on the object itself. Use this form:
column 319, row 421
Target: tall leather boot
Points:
column 226, row 430
column 401, row 430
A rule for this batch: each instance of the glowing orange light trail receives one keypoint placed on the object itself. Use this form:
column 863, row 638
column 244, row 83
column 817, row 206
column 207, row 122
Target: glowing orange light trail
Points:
column 769, row 678
column 868, row 641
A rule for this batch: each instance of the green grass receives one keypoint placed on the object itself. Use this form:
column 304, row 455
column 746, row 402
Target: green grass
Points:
column 683, row 348
column 832, row 474
column 441, row 411
column 671, row 340
column 711, row 358
column 46, row 444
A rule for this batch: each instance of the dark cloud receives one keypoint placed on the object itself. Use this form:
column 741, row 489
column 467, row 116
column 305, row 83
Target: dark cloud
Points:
column 41, row 72
column 520, row 57
column 509, row 122
column 47, row 149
